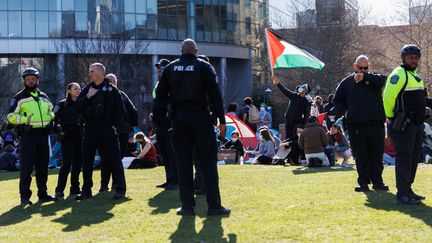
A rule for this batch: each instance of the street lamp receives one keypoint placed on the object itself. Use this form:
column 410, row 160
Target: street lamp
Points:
column 266, row 92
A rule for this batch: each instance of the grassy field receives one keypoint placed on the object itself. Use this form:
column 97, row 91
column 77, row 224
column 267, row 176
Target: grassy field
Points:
column 268, row 204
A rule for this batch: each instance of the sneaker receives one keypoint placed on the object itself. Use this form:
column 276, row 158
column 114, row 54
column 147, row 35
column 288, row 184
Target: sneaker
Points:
column 83, row 196
column 219, row 211
column 406, row 200
column 25, row 202
column 185, row 211
column 382, row 187
column 361, row 188
column 59, row 195
column 47, row 198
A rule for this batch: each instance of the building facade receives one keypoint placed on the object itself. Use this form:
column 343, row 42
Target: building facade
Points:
column 62, row 37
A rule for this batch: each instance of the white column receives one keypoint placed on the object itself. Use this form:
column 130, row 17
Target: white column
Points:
column 61, row 75
column 223, row 77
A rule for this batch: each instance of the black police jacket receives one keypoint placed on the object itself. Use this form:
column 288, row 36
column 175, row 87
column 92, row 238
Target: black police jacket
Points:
column 104, row 108
column 299, row 107
column 67, row 115
column 130, row 117
column 189, row 84
column 362, row 102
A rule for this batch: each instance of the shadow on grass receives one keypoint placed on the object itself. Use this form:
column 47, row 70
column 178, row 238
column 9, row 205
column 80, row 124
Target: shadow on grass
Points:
column 164, row 201
column 13, row 175
column 211, row 231
column 310, row 170
column 387, row 201
column 84, row 213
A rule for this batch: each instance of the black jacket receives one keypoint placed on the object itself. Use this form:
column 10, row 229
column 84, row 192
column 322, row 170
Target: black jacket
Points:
column 67, row 115
column 361, row 101
column 130, row 118
column 299, row 107
column 189, row 84
column 104, row 108
column 237, row 145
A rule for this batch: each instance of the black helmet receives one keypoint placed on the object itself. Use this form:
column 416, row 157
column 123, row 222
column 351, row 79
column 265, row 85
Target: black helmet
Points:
column 162, row 63
column 30, row 71
column 410, row 49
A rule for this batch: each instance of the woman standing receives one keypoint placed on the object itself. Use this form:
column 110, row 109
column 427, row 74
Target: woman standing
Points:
column 68, row 124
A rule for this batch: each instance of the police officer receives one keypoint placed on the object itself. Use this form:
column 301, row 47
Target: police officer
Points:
column 102, row 108
column 31, row 111
column 191, row 85
column 68, row 124
column 404, row 103
column 358, row 97
column 129, row 122
column 164, row 139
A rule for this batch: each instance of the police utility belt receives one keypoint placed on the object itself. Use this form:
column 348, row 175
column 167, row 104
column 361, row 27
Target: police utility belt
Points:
column 29, row 130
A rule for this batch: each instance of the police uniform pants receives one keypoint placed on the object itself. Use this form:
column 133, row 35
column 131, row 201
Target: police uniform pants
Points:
column 103, row 138
column 72, row 157
column 164, row 141
column 408, row 155
column 367, row 144
column 106, row 170
column 34, row 152
column 195, row 129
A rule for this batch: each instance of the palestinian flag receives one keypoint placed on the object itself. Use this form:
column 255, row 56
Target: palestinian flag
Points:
column 285, row 55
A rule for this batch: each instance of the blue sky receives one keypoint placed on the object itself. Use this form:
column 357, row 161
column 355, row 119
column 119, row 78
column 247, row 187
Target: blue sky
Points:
column 381, row 12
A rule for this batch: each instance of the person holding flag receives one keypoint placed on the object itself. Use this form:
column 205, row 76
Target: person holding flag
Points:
column 282, row 54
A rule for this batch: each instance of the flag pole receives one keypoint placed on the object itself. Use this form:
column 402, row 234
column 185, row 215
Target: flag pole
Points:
column 269, row 54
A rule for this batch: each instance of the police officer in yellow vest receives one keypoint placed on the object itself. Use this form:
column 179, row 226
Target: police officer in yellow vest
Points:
column 404, row 104
column 31, row 111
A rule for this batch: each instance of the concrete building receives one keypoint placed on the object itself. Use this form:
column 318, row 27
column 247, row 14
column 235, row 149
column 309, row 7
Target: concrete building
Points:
column 128, row 36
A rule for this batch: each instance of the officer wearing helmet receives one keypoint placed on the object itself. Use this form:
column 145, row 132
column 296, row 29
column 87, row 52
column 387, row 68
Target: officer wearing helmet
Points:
column 404, row 104
column 31, row 111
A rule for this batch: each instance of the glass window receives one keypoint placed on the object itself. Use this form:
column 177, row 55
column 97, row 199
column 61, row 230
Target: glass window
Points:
column 14, row 5
column 42, row 5
column 81, row 26
column 172, row 25
column 141, row 26
column 68, row 24
column 54, row 24
column 3, row 24
column 28, row 4
column 199, row 8
column 151, row 26
column 172, row 7
column 162, row 7
column 199, row 29
column 129, row 6
column 81, row 5
column 3, row 4
column 140, row 6
column 162, row 27
column 67, row 5
column 55, row 5
column 208, row 30
column 42, row 24
column 29, row 27
column 117, row 25
column 14, row 23
column 181, row 27
column 248, row 25
column 117, row 6
column 129, row 20
column 151, row 6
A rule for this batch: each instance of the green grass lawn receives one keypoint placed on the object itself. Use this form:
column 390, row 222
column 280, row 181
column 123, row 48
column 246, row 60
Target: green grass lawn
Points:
column 268, row 204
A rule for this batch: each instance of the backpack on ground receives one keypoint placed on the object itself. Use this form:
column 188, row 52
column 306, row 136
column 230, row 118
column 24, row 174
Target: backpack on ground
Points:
column 254, row 116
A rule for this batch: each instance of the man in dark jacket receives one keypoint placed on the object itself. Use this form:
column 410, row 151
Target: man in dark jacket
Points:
column 298, row 110
column 358, row 96
column 191, row 86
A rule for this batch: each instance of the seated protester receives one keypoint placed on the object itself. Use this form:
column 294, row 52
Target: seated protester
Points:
column 9, row 136
column 292, row 143
column 131, row 146
column 147, row 157
column 236, row 144
column 8, row 160
column 339, row 144
column 313, row 141
column 266, row 148
column 276, row 139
